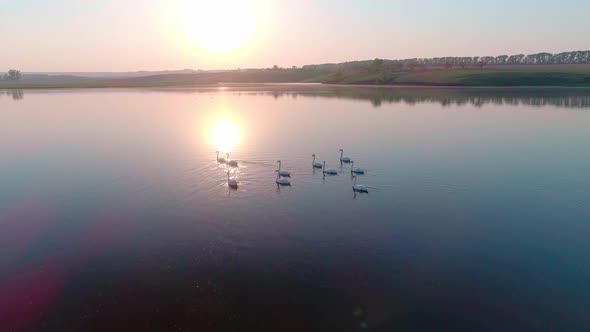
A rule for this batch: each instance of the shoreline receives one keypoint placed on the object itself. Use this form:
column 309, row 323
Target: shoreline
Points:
column 35, row 86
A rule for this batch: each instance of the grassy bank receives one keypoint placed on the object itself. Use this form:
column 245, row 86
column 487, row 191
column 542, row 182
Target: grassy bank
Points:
column 504, row 76
column 498, row 77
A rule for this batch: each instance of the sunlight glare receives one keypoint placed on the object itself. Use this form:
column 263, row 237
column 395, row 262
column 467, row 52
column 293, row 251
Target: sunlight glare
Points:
column 221, row 25
column 224, row 135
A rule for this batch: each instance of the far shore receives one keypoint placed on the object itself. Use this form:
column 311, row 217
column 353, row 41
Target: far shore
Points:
column 494, row 77
column 259, row 84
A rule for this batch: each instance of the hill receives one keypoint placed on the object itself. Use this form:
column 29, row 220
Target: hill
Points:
column 555, row 75
column 568, row 69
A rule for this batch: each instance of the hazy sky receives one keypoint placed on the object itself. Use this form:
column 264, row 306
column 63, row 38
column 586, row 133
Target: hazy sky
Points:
column 121, row 35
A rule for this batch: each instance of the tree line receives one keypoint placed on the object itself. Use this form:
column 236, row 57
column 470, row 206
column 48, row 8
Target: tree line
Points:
column 544, row 58
column 576, row 57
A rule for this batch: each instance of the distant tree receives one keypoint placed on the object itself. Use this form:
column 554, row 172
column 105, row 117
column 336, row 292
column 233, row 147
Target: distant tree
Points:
column 377, row 62
column 376, row 65
column 448, row 65
column 294, row 67
column 515, row 59
column 487, row 59
column 539, row 58
column 462, row 65
column 481, row 64
column 13, row 75
column 501, row 59
column 275, row 67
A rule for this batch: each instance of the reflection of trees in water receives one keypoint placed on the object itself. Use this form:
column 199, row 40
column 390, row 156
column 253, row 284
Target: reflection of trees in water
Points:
column 16, row 94
column 377, row 96
column 572, row 98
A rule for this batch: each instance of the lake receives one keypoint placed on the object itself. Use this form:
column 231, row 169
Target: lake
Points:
column 115, row 215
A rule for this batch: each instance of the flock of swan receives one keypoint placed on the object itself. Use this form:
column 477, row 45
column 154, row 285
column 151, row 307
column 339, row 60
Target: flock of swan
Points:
column 283, row 175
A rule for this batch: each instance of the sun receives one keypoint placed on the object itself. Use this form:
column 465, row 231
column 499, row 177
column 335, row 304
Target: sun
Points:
column 222, row 25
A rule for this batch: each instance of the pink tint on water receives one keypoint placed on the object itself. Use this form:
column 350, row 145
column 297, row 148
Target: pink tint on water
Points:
column 21, row 225
column 27, row 296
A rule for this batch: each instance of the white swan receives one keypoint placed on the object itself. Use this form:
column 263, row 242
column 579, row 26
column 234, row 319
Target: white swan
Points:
column 356, row 170
column 219, row 160
column 282, row 181
column 314, row 163
column 232, row 183
column 342, row 158
column 281, row 172
column 230, row 162
column 329, row 170
column 359, row 187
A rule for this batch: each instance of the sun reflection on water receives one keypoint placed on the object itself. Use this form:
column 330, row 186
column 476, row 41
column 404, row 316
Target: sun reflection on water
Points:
column 224, row 134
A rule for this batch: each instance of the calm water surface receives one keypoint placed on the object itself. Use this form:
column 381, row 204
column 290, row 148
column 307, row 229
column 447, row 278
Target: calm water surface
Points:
column 114, row 214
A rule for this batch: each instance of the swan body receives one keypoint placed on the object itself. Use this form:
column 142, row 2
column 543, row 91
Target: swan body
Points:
column 314, row 163
column 232, row 183
column 356, row 170
column 230, row 162
column 342, row 158
column 329, row 170
column 359, row 187
column 282, row 172
column 219, row 160
column 282, row 181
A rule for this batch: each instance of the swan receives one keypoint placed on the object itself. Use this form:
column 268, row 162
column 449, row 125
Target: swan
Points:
column 219, row 160
column 282, row 181
column 232, row 183
column 314, row 163
column 356, row 170
column 359, row 187
column 230, row 162
column 343, row 159
column 282, row 173
column 329, row 170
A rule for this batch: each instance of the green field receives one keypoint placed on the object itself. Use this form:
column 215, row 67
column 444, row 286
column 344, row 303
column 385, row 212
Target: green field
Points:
column 505, row 76
column 519, row 76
